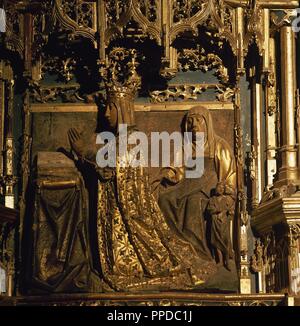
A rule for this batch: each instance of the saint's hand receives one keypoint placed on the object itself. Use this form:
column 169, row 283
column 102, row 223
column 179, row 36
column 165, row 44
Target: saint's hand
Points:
column 171, row 175
column 76, row 142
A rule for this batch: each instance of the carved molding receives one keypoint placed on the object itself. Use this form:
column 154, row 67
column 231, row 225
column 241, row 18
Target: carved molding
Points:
column 139, row 107
column 154, row 300
column 266, row 3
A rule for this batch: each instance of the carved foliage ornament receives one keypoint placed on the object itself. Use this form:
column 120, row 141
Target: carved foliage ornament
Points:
column 186, row 9
column 75, row 18
column 186, row 15
column 62, row 67
column 198, row 59
column 112, row 19
column 116, row 9
column 238, row 144
column 271, row 83
column 187, row 92
column 39, row 36
column 63, row 93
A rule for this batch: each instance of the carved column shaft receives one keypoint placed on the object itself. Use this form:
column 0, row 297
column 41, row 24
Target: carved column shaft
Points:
column 101, row 28
column 240, row 31
column 28, row 39
column 8, row 165
column 8, row 180
column 266, row 27
column 288, row 170
column 271, row 114
column 256, row 140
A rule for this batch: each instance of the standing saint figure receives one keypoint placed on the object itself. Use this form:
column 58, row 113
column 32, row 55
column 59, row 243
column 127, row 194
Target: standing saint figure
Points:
column 138, row 250
column 221, row 210
column 184, row 203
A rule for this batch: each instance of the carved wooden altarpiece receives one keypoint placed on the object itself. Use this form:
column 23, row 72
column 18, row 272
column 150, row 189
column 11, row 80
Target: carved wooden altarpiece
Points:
column 237, row 58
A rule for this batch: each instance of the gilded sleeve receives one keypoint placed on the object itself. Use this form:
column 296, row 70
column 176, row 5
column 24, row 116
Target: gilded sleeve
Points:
column 225, row 164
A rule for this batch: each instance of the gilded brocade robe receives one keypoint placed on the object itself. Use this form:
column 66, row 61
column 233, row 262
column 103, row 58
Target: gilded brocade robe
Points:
column 138, row 249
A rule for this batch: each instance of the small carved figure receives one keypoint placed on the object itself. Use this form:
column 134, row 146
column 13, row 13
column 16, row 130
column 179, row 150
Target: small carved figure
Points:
column 221, row 212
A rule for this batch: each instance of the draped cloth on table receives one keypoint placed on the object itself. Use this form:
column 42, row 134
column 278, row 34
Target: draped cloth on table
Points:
column 61, row 254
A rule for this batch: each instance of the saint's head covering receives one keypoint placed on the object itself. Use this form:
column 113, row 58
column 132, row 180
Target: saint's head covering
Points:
column 203, row 112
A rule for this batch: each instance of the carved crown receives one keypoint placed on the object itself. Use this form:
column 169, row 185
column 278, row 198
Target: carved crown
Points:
column 119, row 74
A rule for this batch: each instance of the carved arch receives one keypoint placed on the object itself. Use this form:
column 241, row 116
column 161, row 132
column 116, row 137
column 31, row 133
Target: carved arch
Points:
column 199, row 19
column 133, row 12
column 69, row 24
